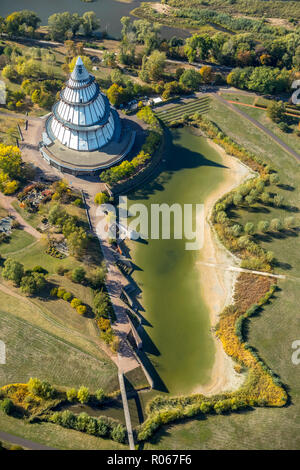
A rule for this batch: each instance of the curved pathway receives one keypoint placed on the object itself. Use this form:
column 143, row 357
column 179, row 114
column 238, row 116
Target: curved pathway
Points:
column 274, row 137
column 6, row 203
column 16, row 440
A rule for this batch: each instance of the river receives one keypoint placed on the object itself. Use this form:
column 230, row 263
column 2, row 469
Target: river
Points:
column 108, row 11
column 178, row 338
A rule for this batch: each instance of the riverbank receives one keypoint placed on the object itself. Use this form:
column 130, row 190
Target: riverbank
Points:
column 217, row 283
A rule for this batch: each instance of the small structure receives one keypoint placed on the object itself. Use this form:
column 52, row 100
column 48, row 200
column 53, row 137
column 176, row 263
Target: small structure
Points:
column 84, row 134
column 156, row 101
column 6, row 225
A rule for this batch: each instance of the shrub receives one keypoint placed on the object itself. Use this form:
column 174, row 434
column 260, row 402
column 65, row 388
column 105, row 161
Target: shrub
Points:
column 100, row 395
column 53, row 292
column 40, row 388
column 67, row 296
column 118, row 433
column 71, row 394
column 81, row 309
column 60, row 292
column 75, row 302
column 101, row 198
column 39, row 269
column 83, row 394
column 7, row 406
column 78, row 274
column 61, row 270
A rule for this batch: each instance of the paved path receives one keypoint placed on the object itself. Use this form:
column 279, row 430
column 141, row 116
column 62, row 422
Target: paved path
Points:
column 11, row 439
column 274, row 137
column 115, row 281
column 126, row 411
column 243, row 270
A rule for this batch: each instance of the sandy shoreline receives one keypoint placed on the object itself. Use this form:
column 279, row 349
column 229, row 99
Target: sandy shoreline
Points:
column 217, row 284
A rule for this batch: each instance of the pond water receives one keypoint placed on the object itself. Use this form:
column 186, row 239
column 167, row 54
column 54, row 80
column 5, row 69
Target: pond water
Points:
column 108, row 11
column 178, row 340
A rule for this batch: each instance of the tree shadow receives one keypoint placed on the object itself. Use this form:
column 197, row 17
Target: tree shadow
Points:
column 177, row 158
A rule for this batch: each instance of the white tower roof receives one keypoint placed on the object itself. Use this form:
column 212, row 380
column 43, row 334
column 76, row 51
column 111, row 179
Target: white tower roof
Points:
column 83, row 119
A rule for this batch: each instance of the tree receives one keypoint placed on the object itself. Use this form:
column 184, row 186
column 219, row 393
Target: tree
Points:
column 77, row 241
column 7, row 406
column 71, row 394
column 90, row 22
column 110, row 59
column 100, row 395
column 13, row 271
column 83, row 394
column 190, row 79
column 97, row 277
column 40, row 388
column 198, row 45
column 249, row 228
column 116, row 95
column 101, row 304
column 276, row 111
column 33, row 283
column 78, row 274
column 59, row 24
column 263, row 226
column 206, row 73
column 21, row 22
column 278, row 200
column 118, row 433
column 10, row 73
column 274, row 178
column 153, row 66
column 276, row 225
column 101, row 198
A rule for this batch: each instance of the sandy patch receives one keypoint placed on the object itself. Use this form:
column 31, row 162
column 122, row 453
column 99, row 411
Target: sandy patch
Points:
column 160, row 8
column 217, row 283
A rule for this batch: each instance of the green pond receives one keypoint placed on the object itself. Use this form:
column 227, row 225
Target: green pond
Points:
column 177, row 340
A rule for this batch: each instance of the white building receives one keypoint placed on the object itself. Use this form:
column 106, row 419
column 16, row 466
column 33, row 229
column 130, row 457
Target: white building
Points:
column 84, row 133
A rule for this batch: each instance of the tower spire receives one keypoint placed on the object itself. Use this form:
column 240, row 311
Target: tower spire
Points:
column 80, row 73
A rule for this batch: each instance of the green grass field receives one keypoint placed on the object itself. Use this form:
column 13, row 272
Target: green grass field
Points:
column 18, row 241
column 176, row 112
column 272, row 332
column 290, row 138
column 55, row 436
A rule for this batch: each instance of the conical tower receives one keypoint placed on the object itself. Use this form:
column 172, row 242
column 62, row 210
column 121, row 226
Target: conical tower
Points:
column 83, row 119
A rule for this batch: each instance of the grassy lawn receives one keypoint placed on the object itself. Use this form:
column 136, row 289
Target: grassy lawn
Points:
column 289, row 138
column 19, row 239
column 34, row 351
column 239, row 98
column 8, row 129
column 56, row 436
column 271, row 333
column 36, row 255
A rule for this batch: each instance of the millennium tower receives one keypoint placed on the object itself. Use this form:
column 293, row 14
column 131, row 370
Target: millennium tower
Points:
column 84, row 133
